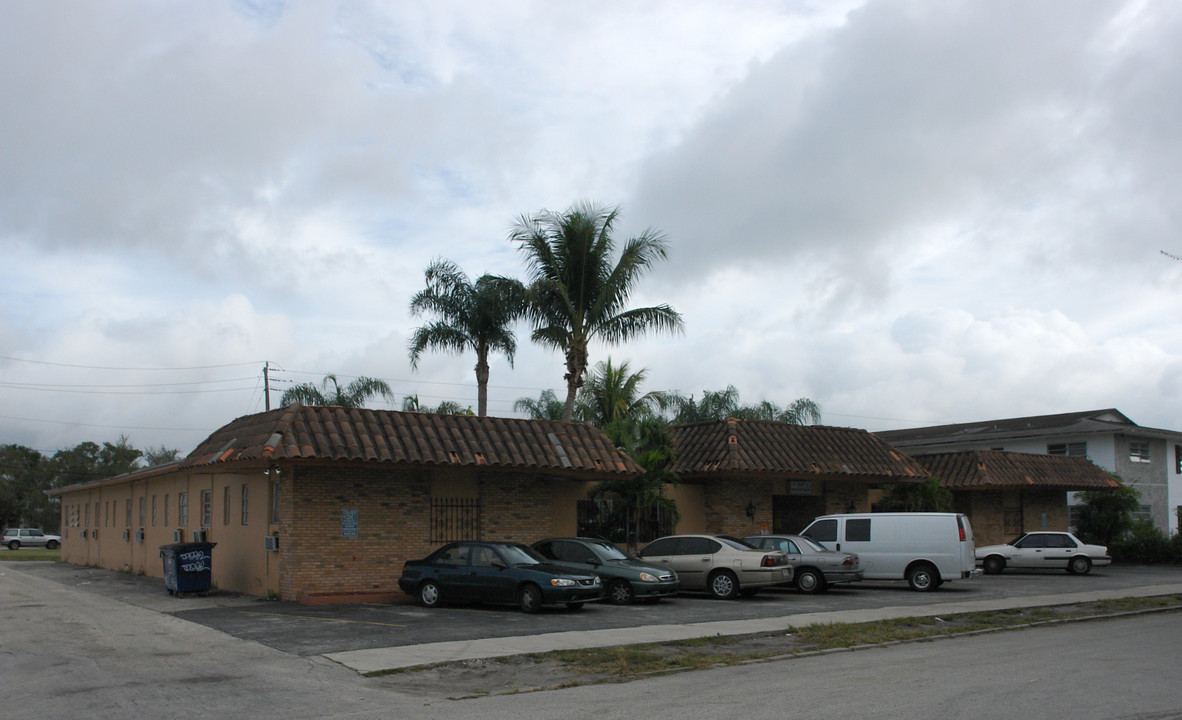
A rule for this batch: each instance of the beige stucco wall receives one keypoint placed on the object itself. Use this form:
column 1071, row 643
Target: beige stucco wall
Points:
column 94, row 521
column 691, row 506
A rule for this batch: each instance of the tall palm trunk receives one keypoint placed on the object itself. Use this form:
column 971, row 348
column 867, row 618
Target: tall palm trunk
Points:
column 482, row 383
column 576, row 370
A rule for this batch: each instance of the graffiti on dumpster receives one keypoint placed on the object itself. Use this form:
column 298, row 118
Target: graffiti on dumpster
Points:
column 195, row 561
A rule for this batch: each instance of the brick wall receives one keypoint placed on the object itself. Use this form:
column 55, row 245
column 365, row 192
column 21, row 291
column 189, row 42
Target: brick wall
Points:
column 318, row 563
column 987, row 510
column 726, row 502
column 515, row 507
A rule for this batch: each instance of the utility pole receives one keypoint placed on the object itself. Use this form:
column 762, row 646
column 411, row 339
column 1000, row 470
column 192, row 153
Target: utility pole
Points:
column 267, row 384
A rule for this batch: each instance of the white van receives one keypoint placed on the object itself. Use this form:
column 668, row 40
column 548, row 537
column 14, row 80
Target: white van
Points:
column 925, row 549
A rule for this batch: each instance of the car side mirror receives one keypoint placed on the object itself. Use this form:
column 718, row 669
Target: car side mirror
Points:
column 593, row 561
column 499, row 565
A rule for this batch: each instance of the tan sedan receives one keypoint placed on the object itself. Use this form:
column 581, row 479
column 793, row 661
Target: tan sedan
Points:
column 718, row 564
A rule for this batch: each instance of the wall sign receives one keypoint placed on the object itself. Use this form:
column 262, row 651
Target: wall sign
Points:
column 349, row 519
column 800, row 487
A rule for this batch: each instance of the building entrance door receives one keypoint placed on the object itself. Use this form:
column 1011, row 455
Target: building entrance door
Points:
column 791, row 513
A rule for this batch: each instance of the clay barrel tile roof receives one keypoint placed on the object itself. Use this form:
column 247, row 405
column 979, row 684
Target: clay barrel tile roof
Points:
column 360, row 434
column 775, row 448
column 997, row 469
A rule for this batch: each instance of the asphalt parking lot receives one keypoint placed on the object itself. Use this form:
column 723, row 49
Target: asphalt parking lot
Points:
column 315, row 630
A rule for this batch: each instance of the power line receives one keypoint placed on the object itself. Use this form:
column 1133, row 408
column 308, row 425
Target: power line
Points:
column 34, row 386
column 124, row 392
column 109, row 427
column 105, row 367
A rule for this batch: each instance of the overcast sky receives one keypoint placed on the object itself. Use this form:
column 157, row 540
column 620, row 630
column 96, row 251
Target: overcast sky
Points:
column 910, row 212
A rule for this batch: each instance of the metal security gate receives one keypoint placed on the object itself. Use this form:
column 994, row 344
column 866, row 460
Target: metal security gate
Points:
column 454, row 519
column 618, row 522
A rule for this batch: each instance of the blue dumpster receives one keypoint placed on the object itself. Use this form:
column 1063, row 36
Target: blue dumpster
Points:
column 188, row 567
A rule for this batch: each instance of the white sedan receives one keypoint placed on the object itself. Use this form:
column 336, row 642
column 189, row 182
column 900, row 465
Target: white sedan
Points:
column 1043, row 550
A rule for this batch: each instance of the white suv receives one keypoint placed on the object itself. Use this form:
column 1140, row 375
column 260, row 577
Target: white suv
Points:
column 15, row 538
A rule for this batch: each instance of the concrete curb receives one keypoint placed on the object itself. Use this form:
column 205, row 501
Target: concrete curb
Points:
column 376, row 660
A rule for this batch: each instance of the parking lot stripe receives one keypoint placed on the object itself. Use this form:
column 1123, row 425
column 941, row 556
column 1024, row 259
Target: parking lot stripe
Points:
column 325, row 619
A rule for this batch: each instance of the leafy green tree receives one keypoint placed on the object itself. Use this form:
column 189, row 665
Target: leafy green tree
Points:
column 1106, row 515
column 161, row 456
column 471, row 316
column 579, row 291
column 27, row 476
column 927, row 496
column 353, row 395
column 546, row 407
column 724, row 404
column 24, row 479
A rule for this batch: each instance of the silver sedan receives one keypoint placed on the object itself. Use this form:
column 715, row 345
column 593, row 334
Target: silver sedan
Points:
column 815, row 567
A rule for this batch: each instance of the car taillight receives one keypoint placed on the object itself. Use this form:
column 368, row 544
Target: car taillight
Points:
column 772, row 561
column 848, row 561
column 960, row 526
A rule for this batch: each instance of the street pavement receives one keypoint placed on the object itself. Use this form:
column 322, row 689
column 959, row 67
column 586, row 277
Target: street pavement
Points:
column 373, row 637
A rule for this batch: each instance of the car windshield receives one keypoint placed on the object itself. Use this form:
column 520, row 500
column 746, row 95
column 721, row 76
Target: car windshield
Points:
column 811, row 543
column 1015, row 540
column 520, row 555
column 607, row 551
column 734, row 542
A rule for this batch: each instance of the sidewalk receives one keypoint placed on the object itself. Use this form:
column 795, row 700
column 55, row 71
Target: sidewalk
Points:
column 380, row 659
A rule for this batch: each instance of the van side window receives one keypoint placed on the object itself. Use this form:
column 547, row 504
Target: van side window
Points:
column 857, row 530
column 822, row 531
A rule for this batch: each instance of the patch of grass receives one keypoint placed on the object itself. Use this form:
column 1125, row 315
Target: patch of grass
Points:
column 628, row 662
column 31, row 554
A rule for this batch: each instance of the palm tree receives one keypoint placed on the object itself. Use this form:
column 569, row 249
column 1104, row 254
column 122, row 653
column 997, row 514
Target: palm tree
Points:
column 546, row 407
column 612, row 393
column 355, row 394
column 472, row 316
column 411, row 403
column 723, row 404
column 577, row 294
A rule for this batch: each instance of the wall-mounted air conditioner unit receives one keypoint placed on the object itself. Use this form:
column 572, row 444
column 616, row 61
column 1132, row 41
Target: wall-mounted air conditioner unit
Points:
column 271, row 542
column 139, row 535
column 126, row 534
column 200, row 536
column 178, row 535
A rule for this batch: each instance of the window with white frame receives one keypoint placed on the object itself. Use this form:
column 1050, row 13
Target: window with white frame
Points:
column 245, row 503
column 226, row 505
column 1075, row 449
column 206, row 508
column 182, row 509
column 1139, row 451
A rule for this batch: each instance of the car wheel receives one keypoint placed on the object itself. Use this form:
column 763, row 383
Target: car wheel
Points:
column 574, row 606
column 14, row 545
column 530, row 599
column 620, row 592
column 1079, row 566
column 993, row 565
column 723, row 585
column 923, row 577
column 809, row 581
column 429, row 594
column 51, row 545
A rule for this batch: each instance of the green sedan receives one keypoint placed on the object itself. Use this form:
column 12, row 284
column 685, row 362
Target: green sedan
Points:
column 626, row 579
